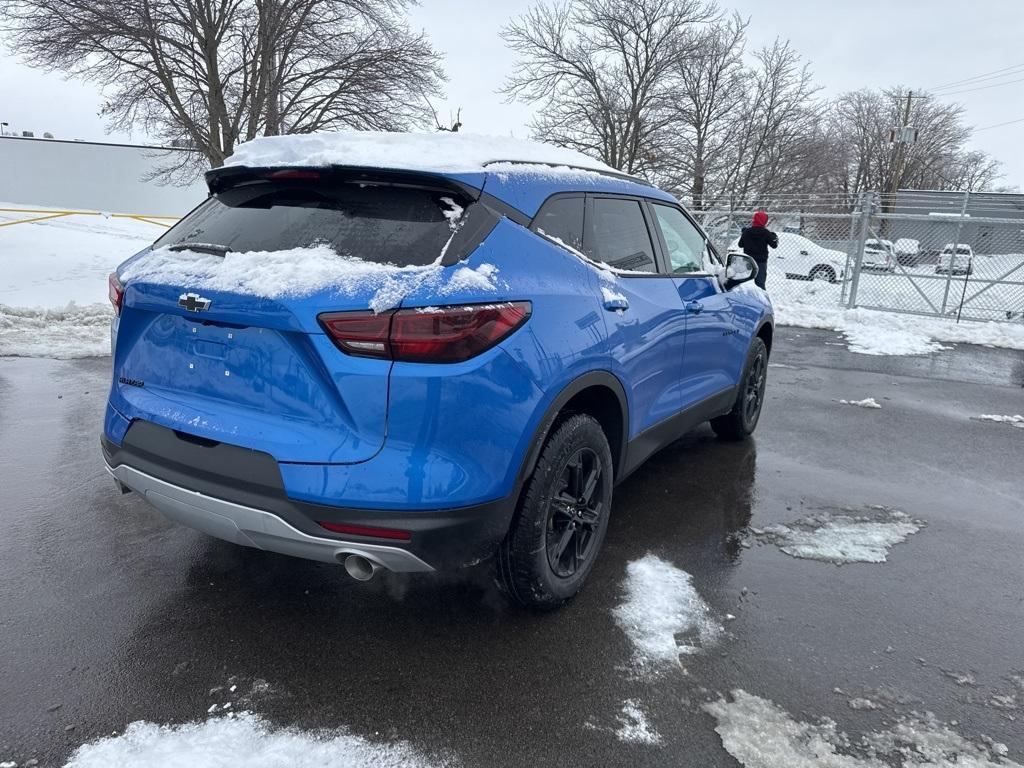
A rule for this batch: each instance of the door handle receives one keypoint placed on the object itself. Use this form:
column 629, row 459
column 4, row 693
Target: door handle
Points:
column 616, row 303
column 694, row 307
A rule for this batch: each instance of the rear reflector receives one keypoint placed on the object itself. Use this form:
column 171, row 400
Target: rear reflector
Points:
column 115, row 292
column 362, row 530
column 434, row 335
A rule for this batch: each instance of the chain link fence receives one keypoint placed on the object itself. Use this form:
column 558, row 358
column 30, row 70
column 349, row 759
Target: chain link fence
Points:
column 956, row 255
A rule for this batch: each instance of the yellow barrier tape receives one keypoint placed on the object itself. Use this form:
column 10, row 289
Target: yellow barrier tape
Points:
column 37, row 218
column 52, row 214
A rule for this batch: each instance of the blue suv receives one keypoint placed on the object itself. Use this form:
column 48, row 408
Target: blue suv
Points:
column 414, row 412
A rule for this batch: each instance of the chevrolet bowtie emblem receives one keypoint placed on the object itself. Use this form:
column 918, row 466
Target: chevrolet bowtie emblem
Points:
column 193, row 302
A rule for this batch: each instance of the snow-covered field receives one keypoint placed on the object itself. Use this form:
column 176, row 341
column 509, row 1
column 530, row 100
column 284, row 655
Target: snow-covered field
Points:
column 53, row 295
column 53, row 281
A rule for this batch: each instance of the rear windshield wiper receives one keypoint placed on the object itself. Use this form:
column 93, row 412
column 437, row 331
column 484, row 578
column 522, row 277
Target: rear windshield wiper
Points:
column 213, row 248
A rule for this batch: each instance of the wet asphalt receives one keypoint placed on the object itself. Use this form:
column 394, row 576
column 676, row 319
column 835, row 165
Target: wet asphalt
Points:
column 109, row 614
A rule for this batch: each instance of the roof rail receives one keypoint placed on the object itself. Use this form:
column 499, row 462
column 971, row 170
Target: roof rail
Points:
column 610, row 174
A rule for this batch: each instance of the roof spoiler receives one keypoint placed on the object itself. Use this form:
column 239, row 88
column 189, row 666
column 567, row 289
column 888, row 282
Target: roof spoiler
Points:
column 225, row 177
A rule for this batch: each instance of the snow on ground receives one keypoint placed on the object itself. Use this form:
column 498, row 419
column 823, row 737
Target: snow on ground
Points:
column 301, row 272
column 634, row 728
column 1013, row 421
column 870, row 332
column 662, row 613
column 243, row 740
column 867, row 402
column 53, row 281
column 760, row 734
column 845, row 537
column 447, row 152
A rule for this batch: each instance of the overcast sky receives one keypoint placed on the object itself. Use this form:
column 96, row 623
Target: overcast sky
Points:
column 850, row 45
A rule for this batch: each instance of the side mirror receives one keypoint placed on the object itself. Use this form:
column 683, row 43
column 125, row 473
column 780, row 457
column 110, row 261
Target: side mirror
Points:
column 740, row 269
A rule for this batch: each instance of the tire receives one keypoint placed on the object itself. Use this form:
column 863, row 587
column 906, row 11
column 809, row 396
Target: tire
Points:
column 561, row 518
column 741, row 421
column 823, row 272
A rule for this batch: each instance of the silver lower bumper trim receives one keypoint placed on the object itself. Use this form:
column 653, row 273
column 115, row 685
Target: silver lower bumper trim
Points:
column 254, row 527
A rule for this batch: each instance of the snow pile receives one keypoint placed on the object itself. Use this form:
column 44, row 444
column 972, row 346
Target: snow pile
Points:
column 660, row 606
column 760, row 734
column 867, row 402
column 869, row 332
column 1013, row 421
column 843, row 538
column 444, row 152
column 243, row 740
column 302, row 272
column 634, row 728
column 65, row 333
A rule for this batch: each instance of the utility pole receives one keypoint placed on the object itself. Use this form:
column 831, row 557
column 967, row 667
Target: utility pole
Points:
column 900, row 138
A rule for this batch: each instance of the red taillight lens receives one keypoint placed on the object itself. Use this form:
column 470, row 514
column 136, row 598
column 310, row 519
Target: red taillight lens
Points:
column 363, row 530
column 115, row 291
column 453, row 334
column 359, row 333
column 434, row 335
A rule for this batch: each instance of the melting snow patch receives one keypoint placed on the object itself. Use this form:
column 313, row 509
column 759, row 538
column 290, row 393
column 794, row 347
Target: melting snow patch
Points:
column 245, row 740
column 843, row 538
column 303, row 271
column 760, row 734
column 862, row 704
column 889, row 333
column 1013, row 421
column 660, row 605
column 867, row 402
column 634, row 728
column 68, row 332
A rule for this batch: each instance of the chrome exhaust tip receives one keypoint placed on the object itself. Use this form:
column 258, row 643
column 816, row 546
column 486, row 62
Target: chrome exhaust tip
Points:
column 360, row 568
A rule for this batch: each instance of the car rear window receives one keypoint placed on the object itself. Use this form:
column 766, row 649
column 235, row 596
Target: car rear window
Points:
column 384, row 224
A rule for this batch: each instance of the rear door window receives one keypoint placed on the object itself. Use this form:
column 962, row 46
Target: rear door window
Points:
column 619, row 236
column 562, row 219
column 384, row 224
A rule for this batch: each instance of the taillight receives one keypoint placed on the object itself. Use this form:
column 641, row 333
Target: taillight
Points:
column 359, row 333
column 115, row 291
column 434, row 335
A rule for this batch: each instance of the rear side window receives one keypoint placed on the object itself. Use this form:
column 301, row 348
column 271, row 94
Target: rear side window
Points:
column 562, row 218
column 619, row 235
column 384, row 224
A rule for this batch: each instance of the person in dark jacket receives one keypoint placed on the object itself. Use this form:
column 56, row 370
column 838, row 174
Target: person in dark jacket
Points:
column 755, row 241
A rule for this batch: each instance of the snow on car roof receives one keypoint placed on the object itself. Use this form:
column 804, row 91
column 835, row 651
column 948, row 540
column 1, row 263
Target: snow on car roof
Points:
column 443, row 152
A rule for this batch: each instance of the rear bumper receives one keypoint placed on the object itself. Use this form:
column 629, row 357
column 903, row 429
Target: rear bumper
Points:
column 238, row 495
column 254, row 527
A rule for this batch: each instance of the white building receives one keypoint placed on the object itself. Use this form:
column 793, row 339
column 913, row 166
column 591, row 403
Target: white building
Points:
column 88, row 175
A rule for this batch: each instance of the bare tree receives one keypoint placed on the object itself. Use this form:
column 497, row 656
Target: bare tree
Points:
column 603, row 72
column 212, row 73
column 710, row 94
column 778, row 140
column 937, row 160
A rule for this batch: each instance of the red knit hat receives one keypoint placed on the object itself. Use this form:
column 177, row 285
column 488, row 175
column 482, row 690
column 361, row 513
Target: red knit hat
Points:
column 760, row 219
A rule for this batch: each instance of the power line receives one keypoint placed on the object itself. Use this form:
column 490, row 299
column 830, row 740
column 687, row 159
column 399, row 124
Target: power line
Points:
column 976, row 77
column 999, row 125
column 980, row 88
